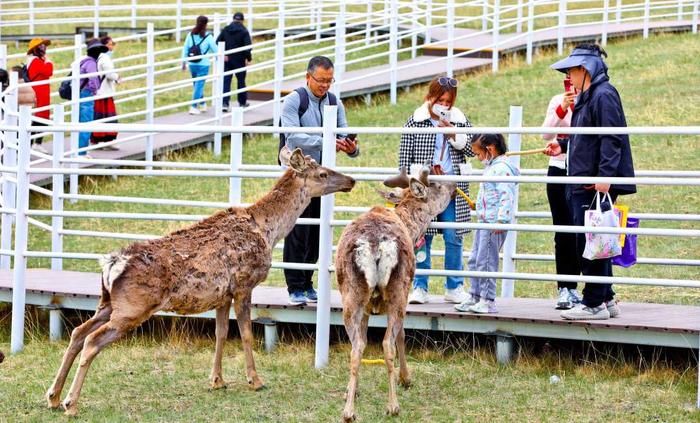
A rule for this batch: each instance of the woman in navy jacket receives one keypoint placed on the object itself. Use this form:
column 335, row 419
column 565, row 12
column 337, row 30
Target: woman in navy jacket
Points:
column 602, row 155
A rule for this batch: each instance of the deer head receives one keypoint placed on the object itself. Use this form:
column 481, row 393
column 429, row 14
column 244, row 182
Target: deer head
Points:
column 318, row 180
column 431, row 196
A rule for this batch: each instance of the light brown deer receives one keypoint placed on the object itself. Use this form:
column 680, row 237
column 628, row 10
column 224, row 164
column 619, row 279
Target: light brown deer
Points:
column 196, row 269
column 375, row 264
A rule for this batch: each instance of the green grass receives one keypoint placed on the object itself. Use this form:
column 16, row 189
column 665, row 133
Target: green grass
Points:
column 654, row 78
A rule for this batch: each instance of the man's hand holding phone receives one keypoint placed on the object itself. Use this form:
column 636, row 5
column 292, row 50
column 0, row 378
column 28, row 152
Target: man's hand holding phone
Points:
column 347, row 144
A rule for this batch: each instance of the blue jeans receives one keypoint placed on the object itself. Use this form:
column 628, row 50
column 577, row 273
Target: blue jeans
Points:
column 87, row 114
column 453, row 252
column 196, row 71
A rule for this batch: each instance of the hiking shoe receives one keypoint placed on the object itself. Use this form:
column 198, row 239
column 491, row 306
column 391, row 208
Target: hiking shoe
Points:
column 484, row 307
column 456, row 296
column 464, row 305
column 226, row 108
column 564, row 299
column 612, row 307
column 194, row 111
column 418, row 296
column 582, row 312
column 311, row 296
column 297, row 298
column 244, row 105
column 202, row 108
column 575, row 297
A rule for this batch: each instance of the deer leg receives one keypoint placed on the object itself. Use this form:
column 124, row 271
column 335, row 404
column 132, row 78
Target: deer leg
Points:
column 94, row 343
column 241, row 305
column 355, row 325
column 404, row 375
column 389, row 344
column 77, row 338
column 222, row 319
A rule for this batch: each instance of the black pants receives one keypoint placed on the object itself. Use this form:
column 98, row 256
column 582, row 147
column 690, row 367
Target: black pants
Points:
column 594, row 293
column 301, row 246
column 565, row 257
column 240, row 78
column 38, row 140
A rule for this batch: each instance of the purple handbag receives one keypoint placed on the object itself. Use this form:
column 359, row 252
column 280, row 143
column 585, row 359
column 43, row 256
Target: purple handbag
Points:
column 629, row 250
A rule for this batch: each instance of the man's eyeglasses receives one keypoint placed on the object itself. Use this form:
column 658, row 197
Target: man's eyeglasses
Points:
column 318, row 81
column 448, row 82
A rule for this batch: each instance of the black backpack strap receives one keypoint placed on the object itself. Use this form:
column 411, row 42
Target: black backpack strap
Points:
column 332, row 100
column 303, row 101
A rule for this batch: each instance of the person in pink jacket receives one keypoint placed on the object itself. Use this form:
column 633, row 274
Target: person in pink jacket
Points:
column 559, row 114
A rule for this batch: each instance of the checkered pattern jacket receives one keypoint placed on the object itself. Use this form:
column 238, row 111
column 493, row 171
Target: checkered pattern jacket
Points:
column 417, row 149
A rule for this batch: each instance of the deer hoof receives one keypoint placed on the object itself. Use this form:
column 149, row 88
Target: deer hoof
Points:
column 405, row 382
column 70, row 407
column 392, row 410
column 348, row 416
column 53, row 400
column 217, row 383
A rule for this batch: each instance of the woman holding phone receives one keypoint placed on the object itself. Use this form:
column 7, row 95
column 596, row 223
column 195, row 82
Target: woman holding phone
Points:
column 445, row 152
column 559, row 112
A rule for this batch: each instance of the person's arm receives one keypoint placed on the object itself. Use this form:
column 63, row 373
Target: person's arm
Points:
column 462, row 142
column 186, row 46
column 343, row 123
column 290, row 118
column 213, row 47
column 406, row 147
column 247, row 42
column 553, row 117
column 39, row 69
column 506, row 199
column 93, row 83
column 609, row 113
column 107, row 65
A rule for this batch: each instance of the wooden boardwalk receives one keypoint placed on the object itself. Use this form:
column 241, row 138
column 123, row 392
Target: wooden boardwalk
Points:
column 373, row 80
column 643, row 324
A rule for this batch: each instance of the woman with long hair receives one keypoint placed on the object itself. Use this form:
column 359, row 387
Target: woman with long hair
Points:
column 198, row 43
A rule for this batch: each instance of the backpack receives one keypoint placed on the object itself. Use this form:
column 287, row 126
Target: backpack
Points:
column 303, row 107
column 65, row 90
column 195, row 50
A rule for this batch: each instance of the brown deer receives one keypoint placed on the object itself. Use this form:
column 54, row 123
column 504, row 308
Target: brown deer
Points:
column 196, row 269
column 375, row 264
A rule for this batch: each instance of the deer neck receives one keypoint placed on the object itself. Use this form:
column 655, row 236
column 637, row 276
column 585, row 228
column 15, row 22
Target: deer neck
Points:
column 277, row 212
column 414, row 218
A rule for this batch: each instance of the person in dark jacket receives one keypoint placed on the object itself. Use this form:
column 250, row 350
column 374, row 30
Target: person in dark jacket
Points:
column 602, row 155
column 236, row 35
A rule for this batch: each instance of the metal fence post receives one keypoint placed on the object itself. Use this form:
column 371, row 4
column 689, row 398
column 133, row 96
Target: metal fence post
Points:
column 3, row 56
column 339, row 49
column 178, row 21
column 428, row 20
column 319, row 19
column 9, row 159
column 96, row 23
column 150, row 82
column 604, row 35
column 530, row 29
column 450, row 37
column 75, row 111
column 21, row 229
column 695, row 16
column 496, row 35
column 279, row 75
column 323, row 308
column 368, row 23
column 519, row 17
column 57, row 190
column 414, row 28
column 680, row 10
column 393, row 50
column 229, row 12
column 250, row 16
column 134, row 13
column 218, row 88
column 509, row 247
column 560, row 27
column 485, row 15
column 236, row 159
column 618, row 11
column 31, row 16
column 645, row 30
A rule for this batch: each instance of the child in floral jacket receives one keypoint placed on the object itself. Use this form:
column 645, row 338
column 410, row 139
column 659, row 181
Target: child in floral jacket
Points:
column 494, row 204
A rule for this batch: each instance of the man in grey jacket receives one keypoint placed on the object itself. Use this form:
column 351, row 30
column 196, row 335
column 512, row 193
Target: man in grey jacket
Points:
column 304, row 108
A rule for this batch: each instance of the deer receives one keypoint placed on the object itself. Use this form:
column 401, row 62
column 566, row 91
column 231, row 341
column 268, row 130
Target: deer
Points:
column 199, row 268
column 375, row 265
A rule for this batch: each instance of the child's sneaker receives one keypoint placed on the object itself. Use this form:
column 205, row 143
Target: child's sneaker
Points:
column 456, row 296
column 575, row 297
column 564, row 300
column 464, row 305
column 582, row 312
column 194, row 111
column 484, row 307
column 612, row 307
column 418, row 296
column 311, row 296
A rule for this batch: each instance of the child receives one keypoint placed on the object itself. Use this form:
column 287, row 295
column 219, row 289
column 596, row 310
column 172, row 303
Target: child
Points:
column 494, row 204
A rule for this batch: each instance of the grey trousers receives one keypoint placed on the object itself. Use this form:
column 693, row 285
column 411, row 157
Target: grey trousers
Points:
column 484, row 258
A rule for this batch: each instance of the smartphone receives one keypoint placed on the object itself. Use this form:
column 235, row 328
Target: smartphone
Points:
column 567, row 85
column 351, row 137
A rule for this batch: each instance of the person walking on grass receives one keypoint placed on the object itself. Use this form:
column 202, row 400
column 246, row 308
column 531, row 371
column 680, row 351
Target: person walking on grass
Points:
column 494, row 204
column 303, row 107
column 198, row 42
column 39, row 68
column 603, row 155
column 104, row 107
column 446, row 152
column 236, row 35
column 559, row 112
column 89, row 87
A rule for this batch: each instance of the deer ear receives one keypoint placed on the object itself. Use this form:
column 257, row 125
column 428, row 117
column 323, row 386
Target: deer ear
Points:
column 297, row 161
column 285, row 154
column 393, row 196
column 417, row 188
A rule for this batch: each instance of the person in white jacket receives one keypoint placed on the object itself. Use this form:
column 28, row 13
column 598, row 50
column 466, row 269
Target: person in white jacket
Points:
column 104, row 107
column 559, row 114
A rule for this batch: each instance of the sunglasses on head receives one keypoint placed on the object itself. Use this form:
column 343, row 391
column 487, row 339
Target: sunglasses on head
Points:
column 448, row 82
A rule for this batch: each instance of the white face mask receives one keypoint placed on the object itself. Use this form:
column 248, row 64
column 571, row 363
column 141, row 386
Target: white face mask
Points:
column 442, row 112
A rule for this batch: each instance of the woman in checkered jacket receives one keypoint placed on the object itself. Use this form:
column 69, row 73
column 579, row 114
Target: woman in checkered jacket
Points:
column 450, row 152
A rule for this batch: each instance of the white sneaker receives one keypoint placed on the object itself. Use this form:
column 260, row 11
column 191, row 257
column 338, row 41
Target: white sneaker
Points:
column 40, row 148
column 456, row 296
column 575, row 297
column 203, row 108
column 582, row 312
column 418, row 296
column 564, row 300
column 464, row 305
column 484, row 307
column 194, row 111
column 613, row 309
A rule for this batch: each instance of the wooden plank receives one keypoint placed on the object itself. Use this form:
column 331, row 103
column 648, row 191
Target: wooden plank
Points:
column 635, row 316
